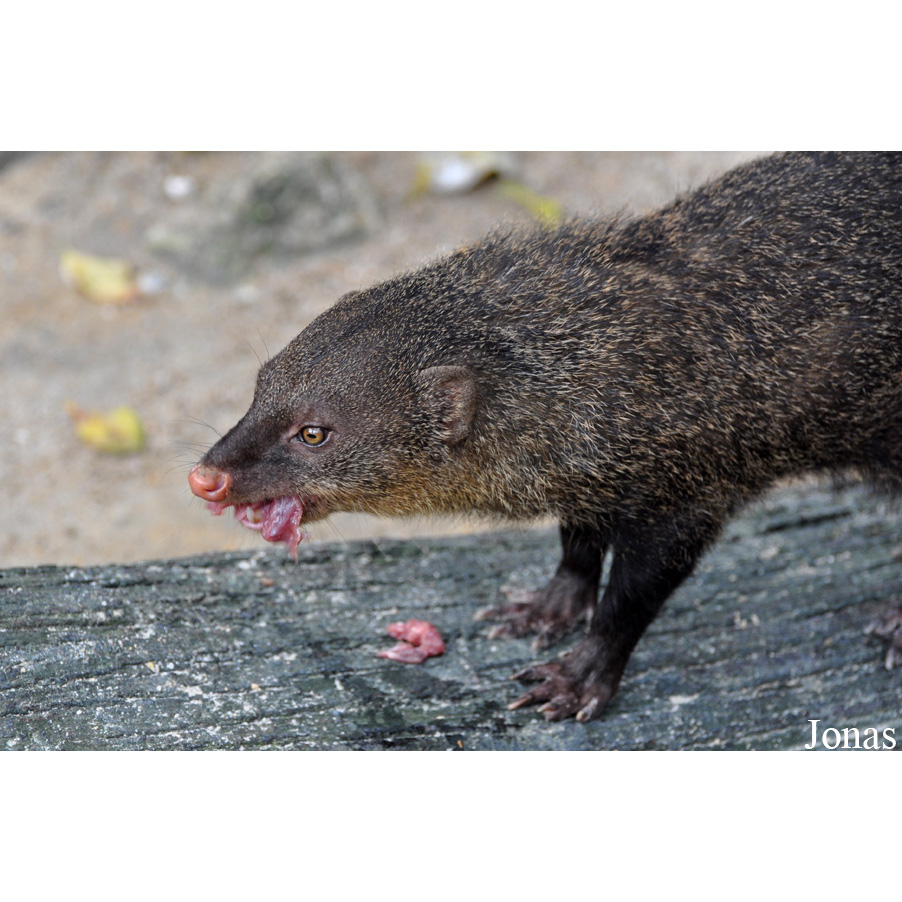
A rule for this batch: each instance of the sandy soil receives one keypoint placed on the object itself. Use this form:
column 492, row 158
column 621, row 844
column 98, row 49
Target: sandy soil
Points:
column 185, row 355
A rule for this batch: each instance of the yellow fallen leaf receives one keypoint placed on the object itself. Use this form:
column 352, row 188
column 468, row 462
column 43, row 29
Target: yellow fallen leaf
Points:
column 422, row 180
column 547, row 210
column 119, row 431
column 105, row 280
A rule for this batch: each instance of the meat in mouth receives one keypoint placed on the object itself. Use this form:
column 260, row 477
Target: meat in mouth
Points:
column 278, row 520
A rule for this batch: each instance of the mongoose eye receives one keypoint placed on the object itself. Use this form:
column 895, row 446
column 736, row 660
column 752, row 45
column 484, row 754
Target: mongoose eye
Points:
column 313, row 435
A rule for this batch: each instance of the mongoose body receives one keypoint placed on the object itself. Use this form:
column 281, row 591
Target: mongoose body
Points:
column 638, row 379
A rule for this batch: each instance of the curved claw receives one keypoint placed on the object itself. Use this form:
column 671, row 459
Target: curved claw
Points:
column 520, row 605
column 888, row 627
column 546, row 614
column 533, row 673
column 572, row 687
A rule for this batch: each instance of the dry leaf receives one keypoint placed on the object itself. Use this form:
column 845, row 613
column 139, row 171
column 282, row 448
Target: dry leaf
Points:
column 547, row 210
column 119, row 431
column 107, row 281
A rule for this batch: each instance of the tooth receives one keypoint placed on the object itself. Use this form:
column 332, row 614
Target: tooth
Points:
column 254, row 515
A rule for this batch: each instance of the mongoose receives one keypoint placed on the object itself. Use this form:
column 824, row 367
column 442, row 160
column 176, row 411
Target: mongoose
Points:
column 638, row 379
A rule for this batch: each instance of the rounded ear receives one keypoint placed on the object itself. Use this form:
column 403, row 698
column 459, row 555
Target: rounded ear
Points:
column 451, row 391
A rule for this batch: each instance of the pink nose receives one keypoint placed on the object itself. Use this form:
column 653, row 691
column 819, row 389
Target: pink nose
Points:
column 209, row 483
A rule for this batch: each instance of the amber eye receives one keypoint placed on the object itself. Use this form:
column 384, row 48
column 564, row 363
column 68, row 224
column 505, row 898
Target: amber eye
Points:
column 313, row 435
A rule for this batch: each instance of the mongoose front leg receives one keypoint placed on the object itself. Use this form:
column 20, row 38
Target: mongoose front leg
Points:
column 555, row 610
column 644, row 572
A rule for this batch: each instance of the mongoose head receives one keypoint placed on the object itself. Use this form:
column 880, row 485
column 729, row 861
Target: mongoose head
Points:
column 350, row 416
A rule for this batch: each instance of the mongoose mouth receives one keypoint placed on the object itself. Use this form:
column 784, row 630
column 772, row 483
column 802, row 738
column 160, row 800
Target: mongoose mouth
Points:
column 278, row 520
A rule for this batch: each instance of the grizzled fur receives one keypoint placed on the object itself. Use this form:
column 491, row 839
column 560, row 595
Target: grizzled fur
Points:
column 637, row 379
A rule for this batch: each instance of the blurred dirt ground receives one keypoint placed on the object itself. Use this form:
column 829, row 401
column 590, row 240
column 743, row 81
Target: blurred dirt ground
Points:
column 219, row 296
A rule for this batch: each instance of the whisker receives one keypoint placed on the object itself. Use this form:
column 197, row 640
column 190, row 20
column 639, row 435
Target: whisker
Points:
column 265, row 348
column 197, row 422
column 254, row 350
column 193, row 447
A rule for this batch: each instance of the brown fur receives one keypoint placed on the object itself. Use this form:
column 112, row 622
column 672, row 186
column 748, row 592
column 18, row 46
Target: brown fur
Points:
column 637, row 379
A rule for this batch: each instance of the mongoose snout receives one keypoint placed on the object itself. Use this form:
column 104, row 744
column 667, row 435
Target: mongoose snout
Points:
column 209, row 483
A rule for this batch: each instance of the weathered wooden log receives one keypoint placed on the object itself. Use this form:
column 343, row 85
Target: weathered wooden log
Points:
column 252, row 650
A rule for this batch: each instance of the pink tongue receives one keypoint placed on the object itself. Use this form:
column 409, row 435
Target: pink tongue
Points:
column 278, row 520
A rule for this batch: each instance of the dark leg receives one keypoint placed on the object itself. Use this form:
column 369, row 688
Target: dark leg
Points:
column 645, row 571
column 554, row 611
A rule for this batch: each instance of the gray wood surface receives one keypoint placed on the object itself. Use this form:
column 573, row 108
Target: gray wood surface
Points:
column 252, row 650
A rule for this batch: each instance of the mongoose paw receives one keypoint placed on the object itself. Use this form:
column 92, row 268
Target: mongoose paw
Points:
column 574, row 686
column 550, row 613
column 888, row 626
